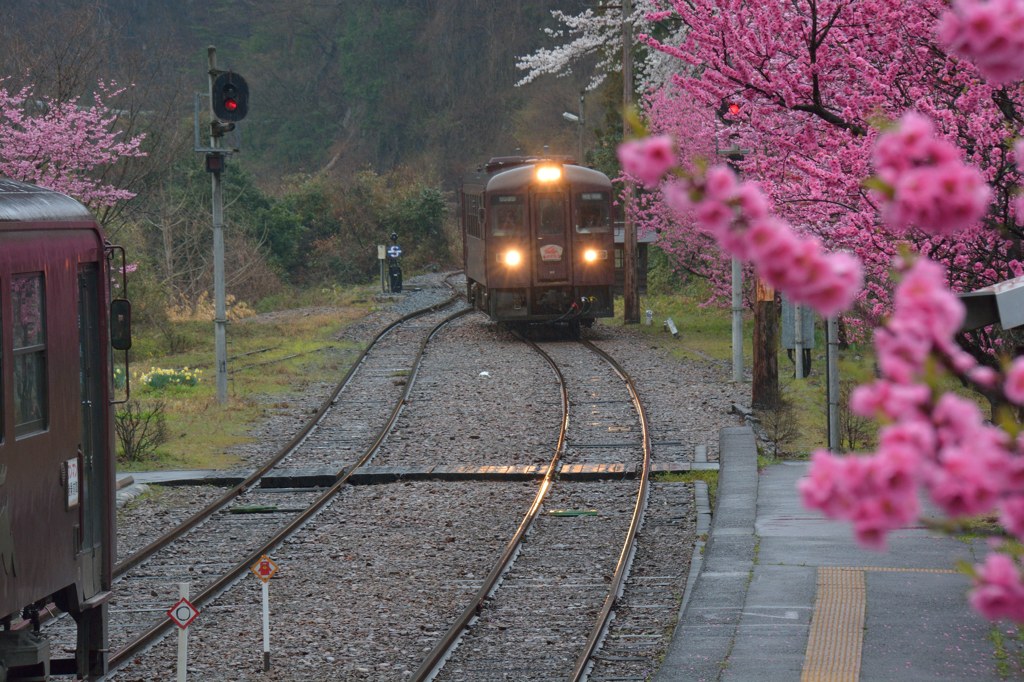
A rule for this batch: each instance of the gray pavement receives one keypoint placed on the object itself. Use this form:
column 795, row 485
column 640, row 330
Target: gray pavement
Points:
column 768, row 563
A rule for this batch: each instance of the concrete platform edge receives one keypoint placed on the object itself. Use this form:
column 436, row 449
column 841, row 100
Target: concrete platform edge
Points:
column 710, row 613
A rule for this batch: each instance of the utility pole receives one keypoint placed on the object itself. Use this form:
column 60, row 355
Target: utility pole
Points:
column 833, row 384
column 220, row 308
column 737, row 320
column 583, row 121
column 630, row 289
column 765, row 389
column 798, row 336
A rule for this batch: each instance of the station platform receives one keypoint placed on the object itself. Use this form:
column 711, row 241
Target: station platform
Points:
column 783, row 594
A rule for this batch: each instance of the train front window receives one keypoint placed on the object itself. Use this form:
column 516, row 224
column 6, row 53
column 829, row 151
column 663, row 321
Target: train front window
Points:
column 550, row 210
column 28, row 320
column 592, row 213
column 508, row 215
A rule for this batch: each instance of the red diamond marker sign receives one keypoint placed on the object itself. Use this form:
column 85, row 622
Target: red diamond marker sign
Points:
column 264, row 568
column 183, row 613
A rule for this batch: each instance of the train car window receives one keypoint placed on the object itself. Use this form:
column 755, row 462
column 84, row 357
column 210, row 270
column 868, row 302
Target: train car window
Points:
column 508, row 215
column 592, row 213
column 473, row 227
column 28, row 313
column 550, row 210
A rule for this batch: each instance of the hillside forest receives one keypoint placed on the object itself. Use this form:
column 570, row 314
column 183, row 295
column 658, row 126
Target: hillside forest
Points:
column 363, row 118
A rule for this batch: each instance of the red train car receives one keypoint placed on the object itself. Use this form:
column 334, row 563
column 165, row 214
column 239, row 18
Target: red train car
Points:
column 538, row 241
column 57, row 464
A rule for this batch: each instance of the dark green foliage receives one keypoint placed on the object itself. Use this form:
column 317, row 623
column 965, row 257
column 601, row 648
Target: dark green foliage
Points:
column 663, row 274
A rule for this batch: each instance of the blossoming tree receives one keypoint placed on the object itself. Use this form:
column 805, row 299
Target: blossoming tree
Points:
column 921, row 192
column 595, row 33
column 62, row 144
column 811, row 106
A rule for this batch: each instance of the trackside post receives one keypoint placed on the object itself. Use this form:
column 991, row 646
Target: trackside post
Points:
column 182, row 613
column 264, row 569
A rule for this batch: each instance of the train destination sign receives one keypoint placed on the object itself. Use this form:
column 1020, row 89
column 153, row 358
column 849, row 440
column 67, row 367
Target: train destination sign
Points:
column 183, row 613
column 264, row 568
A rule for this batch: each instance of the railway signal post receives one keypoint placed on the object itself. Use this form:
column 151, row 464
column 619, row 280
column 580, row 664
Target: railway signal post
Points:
column 229, row 104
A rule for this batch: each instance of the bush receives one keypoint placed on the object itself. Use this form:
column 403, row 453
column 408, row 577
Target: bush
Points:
column 139, row 431
column 854, row 431
column 778, row 419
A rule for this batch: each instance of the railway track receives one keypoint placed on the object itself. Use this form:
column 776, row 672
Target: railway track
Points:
column 364, row 587
column 248, row 521
column 559, row 589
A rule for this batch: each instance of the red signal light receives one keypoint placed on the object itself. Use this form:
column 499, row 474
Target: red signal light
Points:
column 230, row 104
column 734, row 109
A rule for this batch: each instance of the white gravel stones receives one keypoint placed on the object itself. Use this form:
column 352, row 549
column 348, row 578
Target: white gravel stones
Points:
column 367, row 587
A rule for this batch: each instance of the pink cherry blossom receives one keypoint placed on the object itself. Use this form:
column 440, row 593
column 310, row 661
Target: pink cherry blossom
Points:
column 812, row 101
column 1011, row 515
column 891, row 400
column 998, row 591
column 736, row 214
column 66, row 147
column 876, row 493
column 990, row 33
column 1014, row 386
column 931, row 187
column 648, row 159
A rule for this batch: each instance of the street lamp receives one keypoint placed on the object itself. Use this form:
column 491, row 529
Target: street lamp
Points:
column 573, row 118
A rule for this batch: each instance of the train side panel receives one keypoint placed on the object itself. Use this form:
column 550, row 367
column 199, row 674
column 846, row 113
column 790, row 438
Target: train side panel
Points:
column 57, row 470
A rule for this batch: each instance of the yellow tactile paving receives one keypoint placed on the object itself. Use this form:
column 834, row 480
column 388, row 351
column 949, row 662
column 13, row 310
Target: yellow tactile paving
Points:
column 837, row 624
column 913, row 570
column 837, row 627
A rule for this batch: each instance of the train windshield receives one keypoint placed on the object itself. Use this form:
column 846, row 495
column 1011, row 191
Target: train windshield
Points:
column 508, row 215
column 592, row 212
column 549, row 211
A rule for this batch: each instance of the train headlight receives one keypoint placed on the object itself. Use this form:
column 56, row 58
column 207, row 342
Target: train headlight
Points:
column 513, row 258
column 548, row 173
column 590, row 255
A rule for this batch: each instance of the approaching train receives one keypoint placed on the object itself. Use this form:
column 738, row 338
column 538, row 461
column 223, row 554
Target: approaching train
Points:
column 538, row 241
column 57, row 465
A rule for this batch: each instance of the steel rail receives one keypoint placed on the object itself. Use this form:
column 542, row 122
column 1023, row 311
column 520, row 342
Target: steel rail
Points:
column 163, row 541
column 583, row 663
column 158, row 629
column 441, row 651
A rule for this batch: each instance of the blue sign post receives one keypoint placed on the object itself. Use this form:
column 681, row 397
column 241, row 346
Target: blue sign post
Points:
column 394, row 251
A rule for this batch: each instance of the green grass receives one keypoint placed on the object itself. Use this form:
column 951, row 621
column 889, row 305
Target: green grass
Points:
column 709, row 477
column 201, row 432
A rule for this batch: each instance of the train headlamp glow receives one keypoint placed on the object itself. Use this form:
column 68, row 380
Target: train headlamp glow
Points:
column 590, row 255
column 513, row 258
column 548, row 173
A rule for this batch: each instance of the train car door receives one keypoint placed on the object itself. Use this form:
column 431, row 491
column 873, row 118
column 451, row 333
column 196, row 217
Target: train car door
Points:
column 92, row 487
column 552, row 243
